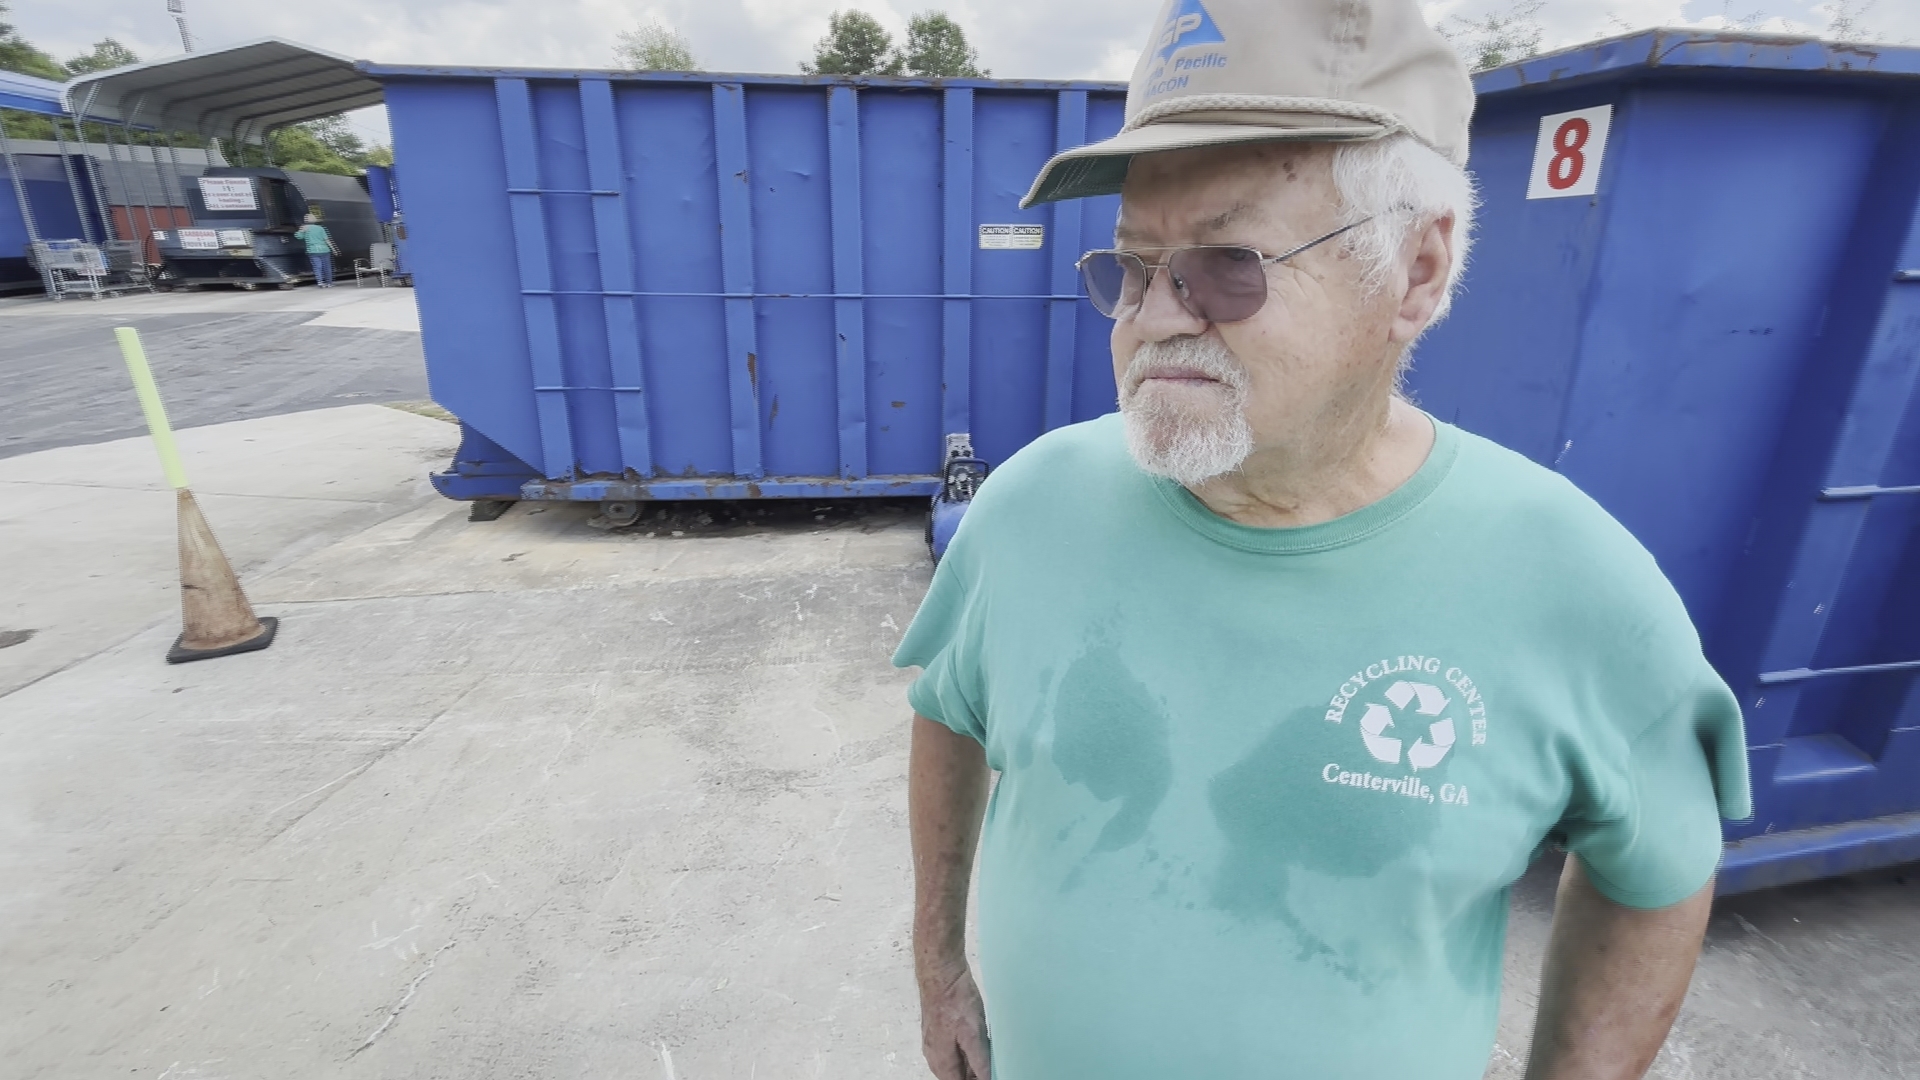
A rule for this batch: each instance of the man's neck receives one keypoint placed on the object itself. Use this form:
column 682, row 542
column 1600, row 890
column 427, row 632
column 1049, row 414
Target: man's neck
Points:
column 1326, row 478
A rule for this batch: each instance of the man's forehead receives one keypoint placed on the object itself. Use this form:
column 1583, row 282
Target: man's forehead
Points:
column 1198, row 220
column 1200, row 193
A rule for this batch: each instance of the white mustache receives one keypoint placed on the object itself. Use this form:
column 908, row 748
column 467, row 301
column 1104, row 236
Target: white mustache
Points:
column 1210, row 358
column 1179, row 437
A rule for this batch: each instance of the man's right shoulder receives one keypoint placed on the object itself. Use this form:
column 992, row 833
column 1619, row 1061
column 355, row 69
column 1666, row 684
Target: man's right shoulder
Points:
column 1057, row 466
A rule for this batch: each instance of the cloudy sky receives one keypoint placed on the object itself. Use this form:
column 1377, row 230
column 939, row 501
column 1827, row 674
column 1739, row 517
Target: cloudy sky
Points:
column 1056, row 39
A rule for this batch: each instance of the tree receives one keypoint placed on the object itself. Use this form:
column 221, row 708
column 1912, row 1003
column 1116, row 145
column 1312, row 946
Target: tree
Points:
column 18, row 54
column 856, row 44
column 654, row 47
column 326, row 145
column 1847, row 21
column 106, row 55
column 1501, row 37
column 937, row 49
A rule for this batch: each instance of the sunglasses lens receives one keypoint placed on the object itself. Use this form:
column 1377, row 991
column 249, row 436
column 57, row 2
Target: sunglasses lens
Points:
column 1223, row 284
column 1113, row 282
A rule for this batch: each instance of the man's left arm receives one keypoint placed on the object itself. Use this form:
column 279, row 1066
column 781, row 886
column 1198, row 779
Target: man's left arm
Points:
column 1613, row 981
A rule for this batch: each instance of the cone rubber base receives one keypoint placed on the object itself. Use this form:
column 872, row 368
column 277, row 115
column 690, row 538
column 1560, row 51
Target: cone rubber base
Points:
column 180, row 654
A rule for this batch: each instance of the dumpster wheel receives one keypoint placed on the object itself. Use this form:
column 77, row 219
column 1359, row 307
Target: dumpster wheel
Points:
column 620, row 513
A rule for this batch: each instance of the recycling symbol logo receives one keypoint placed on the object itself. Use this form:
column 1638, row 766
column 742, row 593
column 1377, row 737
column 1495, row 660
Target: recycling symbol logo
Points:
column 1427, row 750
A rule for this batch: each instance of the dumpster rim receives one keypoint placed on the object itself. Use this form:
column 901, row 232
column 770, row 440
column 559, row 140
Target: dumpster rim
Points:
column 707, row 78
column 1699, row 51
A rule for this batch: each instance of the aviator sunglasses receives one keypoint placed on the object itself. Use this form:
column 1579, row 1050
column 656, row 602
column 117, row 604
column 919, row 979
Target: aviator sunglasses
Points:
column 1219, row 283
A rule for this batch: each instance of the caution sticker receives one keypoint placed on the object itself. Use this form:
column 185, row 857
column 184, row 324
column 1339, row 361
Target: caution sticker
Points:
column 1012, row 237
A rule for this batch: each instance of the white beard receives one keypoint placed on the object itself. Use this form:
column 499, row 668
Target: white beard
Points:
column 1187, row 434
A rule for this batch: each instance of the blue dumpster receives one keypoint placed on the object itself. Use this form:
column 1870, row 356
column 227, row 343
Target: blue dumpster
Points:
column 1697, row 295
column 688, row 286
column 49, row 185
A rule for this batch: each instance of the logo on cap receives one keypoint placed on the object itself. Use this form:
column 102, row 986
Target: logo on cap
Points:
column 1187, row 26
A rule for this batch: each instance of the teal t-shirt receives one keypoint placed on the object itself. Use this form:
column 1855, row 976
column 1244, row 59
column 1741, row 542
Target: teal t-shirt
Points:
column 1262, row 791
column 316, row 239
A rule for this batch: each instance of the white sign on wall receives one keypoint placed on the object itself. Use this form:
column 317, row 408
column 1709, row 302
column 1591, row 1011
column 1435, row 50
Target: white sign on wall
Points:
column 1012, row 237
column 1566, row 158
column 235, row 238
column 228, row 193
column 200, row 239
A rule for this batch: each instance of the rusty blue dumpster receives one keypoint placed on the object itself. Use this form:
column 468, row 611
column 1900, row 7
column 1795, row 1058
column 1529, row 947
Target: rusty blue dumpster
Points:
column 684, row 286
column 1696, row 294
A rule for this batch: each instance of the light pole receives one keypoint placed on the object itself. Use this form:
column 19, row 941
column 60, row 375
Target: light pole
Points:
column 179, row 10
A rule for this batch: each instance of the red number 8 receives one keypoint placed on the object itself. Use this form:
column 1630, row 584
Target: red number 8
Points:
column 1568, row 162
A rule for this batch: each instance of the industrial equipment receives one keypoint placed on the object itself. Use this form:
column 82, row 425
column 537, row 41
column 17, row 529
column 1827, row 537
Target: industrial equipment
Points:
column 243, row 225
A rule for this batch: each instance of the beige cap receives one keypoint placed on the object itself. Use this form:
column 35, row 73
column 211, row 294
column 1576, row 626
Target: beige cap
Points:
column 1226, row 71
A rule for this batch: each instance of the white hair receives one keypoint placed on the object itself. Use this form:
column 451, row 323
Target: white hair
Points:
column 1403, row 184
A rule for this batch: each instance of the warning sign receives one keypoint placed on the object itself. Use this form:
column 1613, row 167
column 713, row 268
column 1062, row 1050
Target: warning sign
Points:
column 228, row 193
column 1012, row 237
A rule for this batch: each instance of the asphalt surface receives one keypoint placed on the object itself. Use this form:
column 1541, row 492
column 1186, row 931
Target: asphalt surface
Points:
column 65, row 384
column 530, row 797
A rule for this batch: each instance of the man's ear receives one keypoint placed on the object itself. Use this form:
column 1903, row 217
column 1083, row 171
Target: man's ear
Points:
column 1429, row 255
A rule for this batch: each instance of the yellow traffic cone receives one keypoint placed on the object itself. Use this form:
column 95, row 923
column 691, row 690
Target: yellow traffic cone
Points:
column 216, row 619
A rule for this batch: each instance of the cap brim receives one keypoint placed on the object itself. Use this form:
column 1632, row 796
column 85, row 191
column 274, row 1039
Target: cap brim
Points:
column 1101, row 168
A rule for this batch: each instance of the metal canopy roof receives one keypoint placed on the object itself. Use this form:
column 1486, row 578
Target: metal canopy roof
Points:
column 29, row 94
column 240, row 92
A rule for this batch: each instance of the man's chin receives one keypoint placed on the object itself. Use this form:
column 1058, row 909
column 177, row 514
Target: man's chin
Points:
column 1190, row 453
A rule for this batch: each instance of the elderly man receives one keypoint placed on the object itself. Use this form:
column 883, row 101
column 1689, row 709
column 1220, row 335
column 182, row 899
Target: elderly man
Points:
column 1285, row 681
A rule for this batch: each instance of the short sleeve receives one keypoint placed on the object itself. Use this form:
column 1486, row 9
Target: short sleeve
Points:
column 944, row 641
column 1654, row 839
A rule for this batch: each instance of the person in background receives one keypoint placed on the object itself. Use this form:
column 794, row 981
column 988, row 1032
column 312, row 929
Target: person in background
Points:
column 320, row 250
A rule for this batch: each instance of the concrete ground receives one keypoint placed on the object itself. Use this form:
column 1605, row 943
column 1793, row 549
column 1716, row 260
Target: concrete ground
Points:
column 526, row 798
column 219, row 355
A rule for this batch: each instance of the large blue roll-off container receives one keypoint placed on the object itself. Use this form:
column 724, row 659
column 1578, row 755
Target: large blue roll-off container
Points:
column 1696, row 294
column 686, row 286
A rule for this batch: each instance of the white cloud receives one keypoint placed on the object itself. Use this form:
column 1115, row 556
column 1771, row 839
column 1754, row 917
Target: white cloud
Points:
column 1054, row 39
column 1043, row 39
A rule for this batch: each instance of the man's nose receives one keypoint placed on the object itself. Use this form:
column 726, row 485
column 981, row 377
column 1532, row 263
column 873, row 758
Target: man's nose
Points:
column 1163, row 314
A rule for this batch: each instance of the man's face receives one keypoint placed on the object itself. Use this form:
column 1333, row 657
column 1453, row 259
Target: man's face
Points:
column 1200, row 397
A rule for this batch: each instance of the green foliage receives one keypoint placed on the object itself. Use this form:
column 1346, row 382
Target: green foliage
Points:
column 856, row 44
column 106, row 55
column 25, row 125
column 18, row 54
column 326, row 145
column 937, row 49
column 654, row 47
column 1501, row 37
